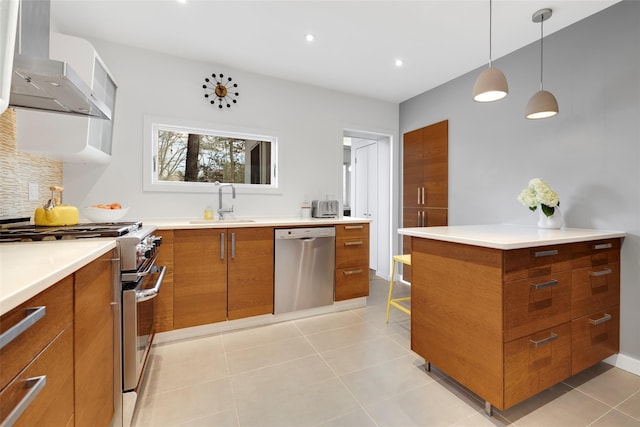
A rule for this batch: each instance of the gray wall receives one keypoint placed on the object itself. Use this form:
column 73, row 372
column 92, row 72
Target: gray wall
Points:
column 589, row 153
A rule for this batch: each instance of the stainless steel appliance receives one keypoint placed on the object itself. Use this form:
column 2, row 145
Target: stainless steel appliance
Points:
column 136, row 284
column 304, row 268
column 325, row 208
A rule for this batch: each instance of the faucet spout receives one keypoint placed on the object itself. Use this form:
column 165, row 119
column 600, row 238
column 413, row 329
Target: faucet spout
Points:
column 221, row 210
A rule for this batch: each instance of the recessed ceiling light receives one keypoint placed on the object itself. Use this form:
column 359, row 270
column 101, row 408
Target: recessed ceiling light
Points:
column 182, row 1
column 399, row 62
column 309, row 37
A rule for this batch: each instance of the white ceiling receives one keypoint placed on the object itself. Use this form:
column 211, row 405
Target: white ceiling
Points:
column 356, row 41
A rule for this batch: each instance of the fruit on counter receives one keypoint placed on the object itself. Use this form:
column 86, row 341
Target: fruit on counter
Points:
column 111, row 206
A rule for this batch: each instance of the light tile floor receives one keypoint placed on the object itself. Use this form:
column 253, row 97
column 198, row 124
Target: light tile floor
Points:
column 351, row 369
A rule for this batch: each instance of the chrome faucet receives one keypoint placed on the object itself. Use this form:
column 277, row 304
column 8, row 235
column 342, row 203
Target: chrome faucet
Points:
column 222, row 211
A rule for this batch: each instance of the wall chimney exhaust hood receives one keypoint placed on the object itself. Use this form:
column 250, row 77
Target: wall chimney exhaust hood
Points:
column 40, row 83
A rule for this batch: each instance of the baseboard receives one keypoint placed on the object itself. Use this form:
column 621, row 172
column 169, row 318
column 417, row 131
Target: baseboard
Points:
column 624, row 362
column 251, row 322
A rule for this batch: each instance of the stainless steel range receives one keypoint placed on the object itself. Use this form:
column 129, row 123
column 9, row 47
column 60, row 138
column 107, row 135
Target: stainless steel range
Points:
column 139, row 282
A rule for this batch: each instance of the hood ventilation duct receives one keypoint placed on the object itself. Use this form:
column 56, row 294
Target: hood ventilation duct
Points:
column 40, row 83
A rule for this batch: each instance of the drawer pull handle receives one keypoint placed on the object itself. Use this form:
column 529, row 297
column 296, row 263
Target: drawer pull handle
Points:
column 603, row 246
column 33, row 315
column 35, row 385
column 358, row 243
column 550, row 283
column 551, row 252
column 544, row 341
column 350, row 272
column 601, row 320
column 353, row 227
column 604, row 272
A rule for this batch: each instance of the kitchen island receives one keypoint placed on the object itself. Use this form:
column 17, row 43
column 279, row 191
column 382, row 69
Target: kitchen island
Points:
column 508, row 311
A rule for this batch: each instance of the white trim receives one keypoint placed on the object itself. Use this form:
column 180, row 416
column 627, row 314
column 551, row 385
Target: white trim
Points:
column 624, row 362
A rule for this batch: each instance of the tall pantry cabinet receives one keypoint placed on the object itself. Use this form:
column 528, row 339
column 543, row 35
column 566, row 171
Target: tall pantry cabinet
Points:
column 425, row 166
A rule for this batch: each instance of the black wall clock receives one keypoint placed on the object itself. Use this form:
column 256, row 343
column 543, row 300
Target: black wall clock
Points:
column 220, row 91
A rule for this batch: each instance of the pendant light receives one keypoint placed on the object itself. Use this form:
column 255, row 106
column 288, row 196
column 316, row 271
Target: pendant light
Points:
column 491, row 84
column 542, row 104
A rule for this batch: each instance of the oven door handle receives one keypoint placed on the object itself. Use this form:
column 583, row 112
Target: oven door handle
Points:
column 135, row 276
column 147, row 294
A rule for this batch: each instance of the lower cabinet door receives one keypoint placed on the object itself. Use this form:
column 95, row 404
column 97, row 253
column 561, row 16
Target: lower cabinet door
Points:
column 536, row 362
column 595, row 337
column 52, row 404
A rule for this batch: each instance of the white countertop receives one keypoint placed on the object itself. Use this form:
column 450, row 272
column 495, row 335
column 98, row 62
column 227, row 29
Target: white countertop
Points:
column 504, row 236
column 181, row 223
column 28, row 268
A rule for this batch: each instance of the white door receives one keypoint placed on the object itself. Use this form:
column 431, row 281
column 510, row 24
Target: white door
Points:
column 366, row 194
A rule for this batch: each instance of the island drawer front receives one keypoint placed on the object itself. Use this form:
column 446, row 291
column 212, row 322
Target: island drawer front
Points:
column 352, row 231
column 536, row 362
column 596, row 253
column 536, row 303
column 595, row 337
column 58, row 303
column 594, row 289
column 522, row 263
column 53, row 404
column 352, row 282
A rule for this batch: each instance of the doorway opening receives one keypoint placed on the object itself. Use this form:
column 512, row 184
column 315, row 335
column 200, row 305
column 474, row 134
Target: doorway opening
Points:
column 366, row 171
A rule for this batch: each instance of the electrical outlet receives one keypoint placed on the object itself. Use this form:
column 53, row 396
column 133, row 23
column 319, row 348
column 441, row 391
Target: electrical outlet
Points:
column 33, row 191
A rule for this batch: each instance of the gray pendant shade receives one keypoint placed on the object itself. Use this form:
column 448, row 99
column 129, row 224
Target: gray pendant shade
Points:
column 491, row 84
column 542, row 104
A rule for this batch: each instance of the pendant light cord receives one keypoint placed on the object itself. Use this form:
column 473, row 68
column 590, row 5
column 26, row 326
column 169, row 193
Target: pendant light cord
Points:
column 541, row 50
column 490, row 24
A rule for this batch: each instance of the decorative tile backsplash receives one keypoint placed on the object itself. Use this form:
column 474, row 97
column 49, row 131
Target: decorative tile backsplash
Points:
column 19, row 169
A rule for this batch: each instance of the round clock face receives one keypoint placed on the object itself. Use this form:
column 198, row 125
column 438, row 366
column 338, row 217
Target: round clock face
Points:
column 220, row 91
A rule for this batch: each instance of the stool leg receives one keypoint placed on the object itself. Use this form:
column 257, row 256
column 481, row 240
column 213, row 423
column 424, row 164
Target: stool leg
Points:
column 393, row 268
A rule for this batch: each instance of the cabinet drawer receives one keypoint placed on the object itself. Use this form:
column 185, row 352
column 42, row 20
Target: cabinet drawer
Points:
column 352, row 252
column 53, row 404
column 536, row 362
column 594, row 289
column 58, row 303
column 596, row 253
column 535, row 303
column 595, row 337
column 352, row 282
column 540, row 260
column 352, row 231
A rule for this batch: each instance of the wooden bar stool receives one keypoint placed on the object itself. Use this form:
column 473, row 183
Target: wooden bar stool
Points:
column 404, row 259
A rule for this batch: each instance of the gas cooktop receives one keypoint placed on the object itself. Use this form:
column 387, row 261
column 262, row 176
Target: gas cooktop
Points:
column 32, row 233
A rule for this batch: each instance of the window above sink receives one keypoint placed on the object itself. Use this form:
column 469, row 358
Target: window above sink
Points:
column 184, row 156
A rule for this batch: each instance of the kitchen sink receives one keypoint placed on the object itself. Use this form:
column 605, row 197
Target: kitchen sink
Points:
column 221, row 221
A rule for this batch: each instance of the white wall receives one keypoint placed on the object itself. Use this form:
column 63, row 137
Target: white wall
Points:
column 308, row 120
column 589, row 153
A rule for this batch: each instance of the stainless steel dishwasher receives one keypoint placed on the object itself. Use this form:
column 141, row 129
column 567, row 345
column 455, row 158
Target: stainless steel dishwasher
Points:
column 305, row 268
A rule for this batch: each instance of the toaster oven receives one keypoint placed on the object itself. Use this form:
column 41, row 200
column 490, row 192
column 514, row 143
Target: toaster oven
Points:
column 325, row 208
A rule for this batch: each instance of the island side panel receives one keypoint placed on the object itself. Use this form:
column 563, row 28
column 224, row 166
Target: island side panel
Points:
column 457, row 315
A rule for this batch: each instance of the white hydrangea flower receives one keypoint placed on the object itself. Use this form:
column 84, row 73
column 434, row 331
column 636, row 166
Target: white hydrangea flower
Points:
column 539, row 193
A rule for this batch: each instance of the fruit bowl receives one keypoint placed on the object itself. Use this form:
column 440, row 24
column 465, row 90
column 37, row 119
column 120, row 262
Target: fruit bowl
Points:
column 105, row 215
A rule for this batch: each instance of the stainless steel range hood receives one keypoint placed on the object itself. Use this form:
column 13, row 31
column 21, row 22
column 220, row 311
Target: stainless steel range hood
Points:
column 40, row 83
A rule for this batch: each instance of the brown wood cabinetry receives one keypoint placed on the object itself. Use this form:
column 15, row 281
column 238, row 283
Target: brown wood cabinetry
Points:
column 250, row 272
column 44, row 349
column 425, row 191
column 222, row 274
column 163, row 303
column 352, row 261
column 94, row 342
column 508, row 324
column 200, row 277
